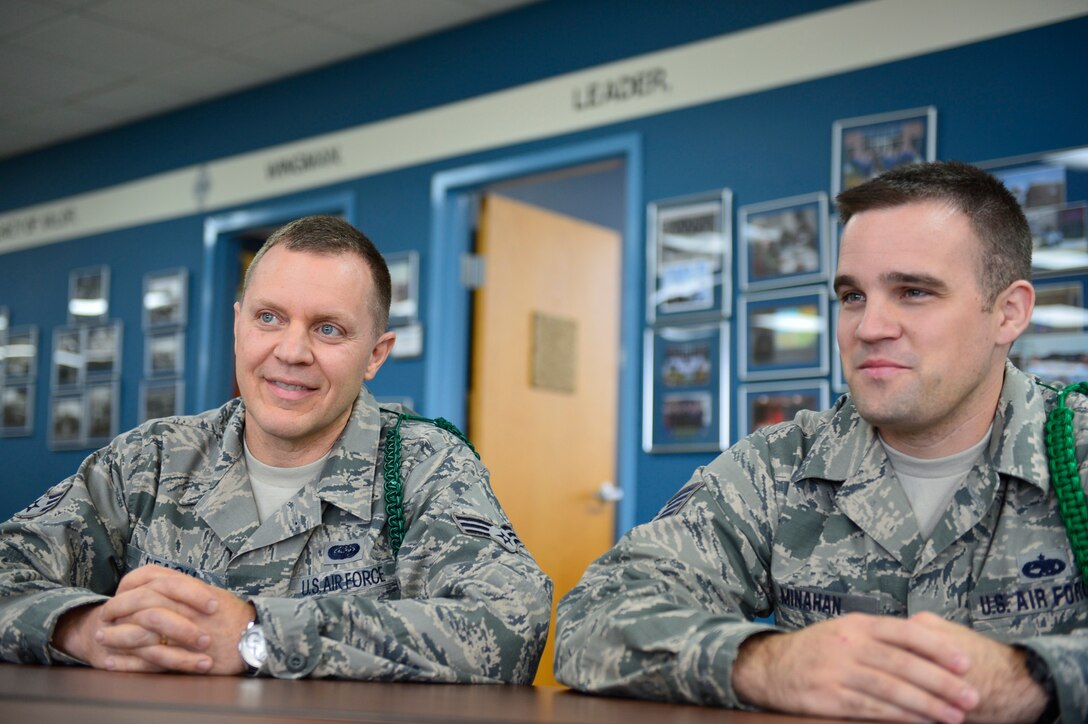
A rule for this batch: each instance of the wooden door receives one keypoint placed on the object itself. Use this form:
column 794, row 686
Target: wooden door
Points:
column 543, row 392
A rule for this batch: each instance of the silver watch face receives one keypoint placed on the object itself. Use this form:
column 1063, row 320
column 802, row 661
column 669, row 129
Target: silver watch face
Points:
column 252, row 646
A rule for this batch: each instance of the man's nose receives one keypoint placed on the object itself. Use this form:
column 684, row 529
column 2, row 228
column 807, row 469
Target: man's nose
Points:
column 879, row 320
column 294, row 347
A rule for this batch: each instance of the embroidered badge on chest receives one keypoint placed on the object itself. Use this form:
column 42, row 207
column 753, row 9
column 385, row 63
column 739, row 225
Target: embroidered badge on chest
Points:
column 502, row 534
column 50, row 499
column 343, row 551
column 1044, row 564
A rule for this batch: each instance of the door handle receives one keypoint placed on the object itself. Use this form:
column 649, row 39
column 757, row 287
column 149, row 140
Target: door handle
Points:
column 608, row 492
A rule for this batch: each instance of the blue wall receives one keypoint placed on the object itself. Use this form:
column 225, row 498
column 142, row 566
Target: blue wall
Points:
column 1013, row 95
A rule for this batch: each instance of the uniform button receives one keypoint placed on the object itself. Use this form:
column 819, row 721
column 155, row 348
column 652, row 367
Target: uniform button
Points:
column 296, row 662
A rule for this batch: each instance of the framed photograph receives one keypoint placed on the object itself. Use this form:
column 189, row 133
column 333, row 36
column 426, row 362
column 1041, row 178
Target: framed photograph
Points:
column 1058, row 237
column 783, row 334
column 164, row 354
column 689, row 258
column 21, row 353
column 783, row 242
column 1053, row 188
column 102, row 351
column 1034, row 184
column 89, row 295
column 865, row 147
column 1054, row 357
column 67, row 357
column 686, row 389
column 102, row 413
column 404, row 274
column 66, row 422
column 166, row 298
column 161, row 398
column 16, row 410
column 767, row 403
column 1059, row 308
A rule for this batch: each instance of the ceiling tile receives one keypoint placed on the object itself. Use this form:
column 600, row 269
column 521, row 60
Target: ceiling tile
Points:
column 97, row 44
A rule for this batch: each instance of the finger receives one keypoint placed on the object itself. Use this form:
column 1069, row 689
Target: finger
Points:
column 143, row 598
column 129, row 663
column 159, row 658
column 143, row 575
column 858, row 705
column 175, row 658
column 121, row 637
column 151, row 629
column 908, row 683
column 923, row 639
column 180, row 588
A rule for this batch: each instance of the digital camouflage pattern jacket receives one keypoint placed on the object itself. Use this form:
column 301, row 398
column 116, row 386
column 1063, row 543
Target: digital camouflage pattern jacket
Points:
column 803, row 520
column 462, row 602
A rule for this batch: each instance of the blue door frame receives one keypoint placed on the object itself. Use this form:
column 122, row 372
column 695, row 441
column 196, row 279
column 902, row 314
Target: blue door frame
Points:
column 454, row 202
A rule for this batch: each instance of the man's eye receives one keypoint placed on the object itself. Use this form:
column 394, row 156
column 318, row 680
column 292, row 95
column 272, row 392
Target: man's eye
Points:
column 849, row 297
column 328, row 330
column 267, row 317
column 916, row 293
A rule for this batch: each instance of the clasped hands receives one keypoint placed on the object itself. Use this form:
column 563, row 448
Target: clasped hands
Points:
column 921, row 668
column 159, row 620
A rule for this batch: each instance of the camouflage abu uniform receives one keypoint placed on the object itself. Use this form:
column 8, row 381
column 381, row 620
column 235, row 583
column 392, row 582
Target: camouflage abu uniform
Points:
column 463, row 601
column 802, row 520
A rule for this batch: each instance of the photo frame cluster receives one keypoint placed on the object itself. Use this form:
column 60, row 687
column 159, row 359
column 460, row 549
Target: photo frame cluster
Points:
column 18, row 377
column 165, row 305
column 689, row 295
column 1052, row 189
column 85, row 371
column 786, row 358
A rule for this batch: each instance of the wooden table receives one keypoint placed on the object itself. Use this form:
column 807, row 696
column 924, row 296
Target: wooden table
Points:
column 37, row 694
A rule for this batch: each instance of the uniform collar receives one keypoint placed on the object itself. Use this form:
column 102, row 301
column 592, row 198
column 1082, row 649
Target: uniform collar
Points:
column 846, row 451
column 1017, row 446
column 346, row 481
column 348, row 478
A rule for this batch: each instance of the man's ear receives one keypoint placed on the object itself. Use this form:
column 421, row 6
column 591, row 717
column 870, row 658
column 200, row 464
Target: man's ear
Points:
column 379, row 354
column 237, row 311
column 1014, row 306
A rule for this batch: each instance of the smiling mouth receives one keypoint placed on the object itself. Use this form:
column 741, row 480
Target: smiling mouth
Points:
column 292, row 388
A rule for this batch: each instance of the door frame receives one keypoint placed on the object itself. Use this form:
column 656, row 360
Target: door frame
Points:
column 220, row 257
column 454, row 203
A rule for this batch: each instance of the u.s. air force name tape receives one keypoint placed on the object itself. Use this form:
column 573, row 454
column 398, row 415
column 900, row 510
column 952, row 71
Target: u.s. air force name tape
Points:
column 502, row 534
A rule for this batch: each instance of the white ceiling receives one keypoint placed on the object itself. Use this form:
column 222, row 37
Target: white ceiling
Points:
column 69, row 68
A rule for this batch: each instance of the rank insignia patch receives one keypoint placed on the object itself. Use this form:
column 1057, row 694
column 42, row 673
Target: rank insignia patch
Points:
column 677, row 501
column 50, row 499
column 502, row 534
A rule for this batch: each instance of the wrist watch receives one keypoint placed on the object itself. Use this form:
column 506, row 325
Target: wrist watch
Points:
column 253, row 648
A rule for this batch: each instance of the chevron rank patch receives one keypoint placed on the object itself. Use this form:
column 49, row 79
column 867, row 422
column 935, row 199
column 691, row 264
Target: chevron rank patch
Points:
column 50, row 499
column 677, row 501
column 502, row 534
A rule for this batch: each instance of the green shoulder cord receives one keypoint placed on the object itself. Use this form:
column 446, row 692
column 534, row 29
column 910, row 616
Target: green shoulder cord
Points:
column 394, row 488
column 1062, row 460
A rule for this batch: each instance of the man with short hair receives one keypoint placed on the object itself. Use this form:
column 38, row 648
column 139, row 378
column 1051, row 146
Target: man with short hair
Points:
column 300, row 530
column 908, row 541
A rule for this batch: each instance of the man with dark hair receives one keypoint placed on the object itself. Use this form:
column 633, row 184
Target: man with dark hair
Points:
column 300, row 530
column 908, row 541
